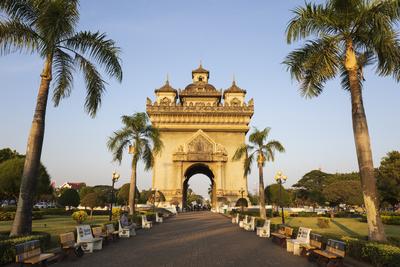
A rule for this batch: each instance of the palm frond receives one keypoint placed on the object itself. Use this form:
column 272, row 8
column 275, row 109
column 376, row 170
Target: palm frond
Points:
column 95, row 86
column 314, row 64
column 18, row 36
column 102, row 50
column 118, row 142
column 21, row 10
column 147, row 155
column 259, row 136
column 63, row 67
column 312, row 19
column 240, row 152
column 247, row 163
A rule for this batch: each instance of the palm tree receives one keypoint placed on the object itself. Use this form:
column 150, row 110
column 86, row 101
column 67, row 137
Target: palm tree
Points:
column 48, row 29
column 347, row 35
column 144, row 143
column 264, row 151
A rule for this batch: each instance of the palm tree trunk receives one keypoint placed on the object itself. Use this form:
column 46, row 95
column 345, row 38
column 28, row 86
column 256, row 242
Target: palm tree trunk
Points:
column 261, row 192
column 132, row 188
column 363, row 148
column 22, row 224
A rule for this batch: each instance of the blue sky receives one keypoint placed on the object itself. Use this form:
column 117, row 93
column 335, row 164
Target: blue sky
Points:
column 245, row 38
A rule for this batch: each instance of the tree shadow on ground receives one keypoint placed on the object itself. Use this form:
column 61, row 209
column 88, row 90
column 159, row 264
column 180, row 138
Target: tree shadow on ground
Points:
column 344, row 228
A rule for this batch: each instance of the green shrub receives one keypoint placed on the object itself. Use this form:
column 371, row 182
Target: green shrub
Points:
column 80, row 216
column 390, row 213
column 7, row 246
column 58, row 211
column 375, row 253
column 10, row 215
column 323, row 222
column 307, row 214
column 394, row 220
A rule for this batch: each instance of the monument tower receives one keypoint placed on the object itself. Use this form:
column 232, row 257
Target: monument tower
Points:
column 201, row 128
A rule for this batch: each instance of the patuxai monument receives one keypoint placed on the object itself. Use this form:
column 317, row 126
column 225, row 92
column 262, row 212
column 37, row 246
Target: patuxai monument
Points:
column 201, row 128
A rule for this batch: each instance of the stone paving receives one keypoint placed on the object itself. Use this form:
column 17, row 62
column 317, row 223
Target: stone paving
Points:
column 191, row 239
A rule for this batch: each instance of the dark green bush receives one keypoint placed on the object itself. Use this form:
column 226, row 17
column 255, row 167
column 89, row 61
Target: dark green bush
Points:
column 7, row 246
column 390, row 213
column 307, row 214
column 375, row 253
column 10, row 215
column 394, row 220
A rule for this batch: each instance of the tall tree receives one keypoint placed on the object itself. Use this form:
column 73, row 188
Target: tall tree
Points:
column 389, row 178
column 264, row 151
column 143, row 141
column 48, row 28
column 344, row 36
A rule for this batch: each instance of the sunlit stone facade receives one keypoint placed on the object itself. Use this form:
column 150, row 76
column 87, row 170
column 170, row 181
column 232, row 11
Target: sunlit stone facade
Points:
column 201, row 128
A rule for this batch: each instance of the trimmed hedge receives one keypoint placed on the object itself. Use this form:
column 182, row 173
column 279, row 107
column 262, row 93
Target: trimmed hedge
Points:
column 393, row 220
column 375, row 253
column 7, row 245
column 10, row 215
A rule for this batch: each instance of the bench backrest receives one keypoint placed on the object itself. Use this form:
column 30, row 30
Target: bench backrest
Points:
column 237, row 217
column 281, row 229
column 97, row 231
column 246, row 218
column 267, row 224
column 144, row 219
column 253, row 221
column 27, row 250
column 316, row 240
column 67, row 239
column 288, row 231
column 303, row 235
column 110, row 228
column 336, row 247
column 84, row 233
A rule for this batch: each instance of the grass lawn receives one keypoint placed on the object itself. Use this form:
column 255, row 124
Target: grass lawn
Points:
column 55, row 225
column 339, row 226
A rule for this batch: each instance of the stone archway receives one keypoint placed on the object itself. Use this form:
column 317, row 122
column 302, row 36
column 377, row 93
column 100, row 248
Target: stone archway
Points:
column 201, row 128
column 198, row 168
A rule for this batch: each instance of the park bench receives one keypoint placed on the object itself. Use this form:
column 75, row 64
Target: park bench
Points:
column 250, row 225
column 99, row 233
column 303, row 237
column 68, row 245
column 126, row 231
column 86, row 240
column 145, row 223
column 283, row 233
column 315, row 243
column 236, row 218
column 264, row 231
column 111, row 232
column 31, row 253
column 242, row 222
column 332, row 255
column 158, row 218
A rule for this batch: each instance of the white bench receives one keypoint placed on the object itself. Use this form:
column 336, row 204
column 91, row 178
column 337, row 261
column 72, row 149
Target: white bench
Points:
column 303, row 238
column 145, row 223
column 126, row 231
column 264, row 231
column 251, row 224
column 111, row 232
column 158, row 218
column 243, row 222
column 236, row 218
column 86, row 240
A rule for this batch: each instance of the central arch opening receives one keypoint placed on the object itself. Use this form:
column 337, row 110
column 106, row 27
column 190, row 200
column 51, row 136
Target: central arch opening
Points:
column 197, row 168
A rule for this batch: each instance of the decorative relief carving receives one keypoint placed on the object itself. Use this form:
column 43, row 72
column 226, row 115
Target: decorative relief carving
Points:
column 235, row 102
column 165, row 101
column 200, row 145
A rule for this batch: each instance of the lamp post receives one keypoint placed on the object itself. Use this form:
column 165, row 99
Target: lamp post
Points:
column 281, row 179
column 241, row 191
column 114, row 179
column 154, row 198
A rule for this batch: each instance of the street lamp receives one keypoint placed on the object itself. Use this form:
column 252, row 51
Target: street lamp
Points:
column 241, row 191
column 154, row 198
column 281, row 179
column 115, row 177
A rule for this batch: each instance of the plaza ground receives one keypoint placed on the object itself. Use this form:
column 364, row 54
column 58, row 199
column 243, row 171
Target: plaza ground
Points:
column 191, row 239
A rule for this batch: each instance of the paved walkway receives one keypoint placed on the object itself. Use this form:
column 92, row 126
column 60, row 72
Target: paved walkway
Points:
column 191, row 239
